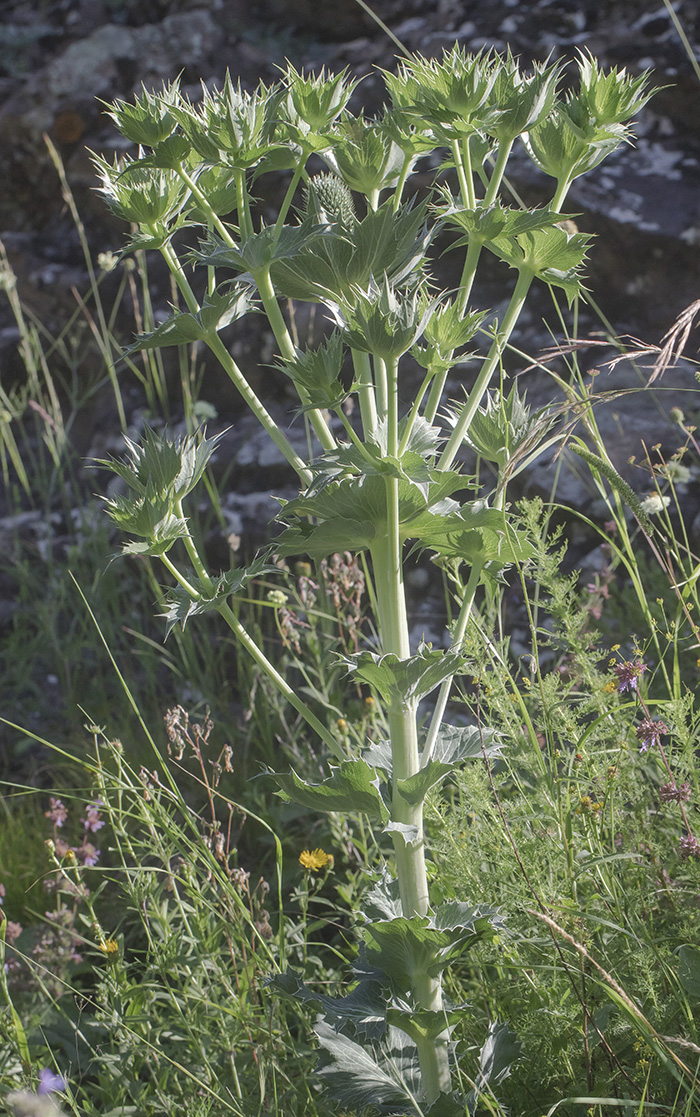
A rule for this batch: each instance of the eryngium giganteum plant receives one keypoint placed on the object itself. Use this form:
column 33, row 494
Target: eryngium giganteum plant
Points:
column 385, row 483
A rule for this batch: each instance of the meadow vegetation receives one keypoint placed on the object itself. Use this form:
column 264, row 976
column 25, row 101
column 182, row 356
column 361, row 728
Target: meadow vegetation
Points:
column 294, row 859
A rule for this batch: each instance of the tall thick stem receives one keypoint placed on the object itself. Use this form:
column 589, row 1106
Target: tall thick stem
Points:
column 409, row 844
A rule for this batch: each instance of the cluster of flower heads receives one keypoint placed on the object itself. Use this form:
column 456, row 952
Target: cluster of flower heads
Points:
column 87, row 852
column 56, row 944
column 649, row 733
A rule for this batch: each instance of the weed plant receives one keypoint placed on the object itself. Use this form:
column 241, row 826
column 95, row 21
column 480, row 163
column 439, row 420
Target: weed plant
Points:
column 552, row 881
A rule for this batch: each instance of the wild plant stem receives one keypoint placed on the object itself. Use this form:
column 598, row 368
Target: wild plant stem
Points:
column 409, row 844
column 288, row 350
column 484, row 378
column 457, row 637
column 282, row 685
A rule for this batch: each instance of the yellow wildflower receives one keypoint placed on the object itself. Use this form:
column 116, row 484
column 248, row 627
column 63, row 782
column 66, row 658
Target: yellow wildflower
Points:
column 315, row 859
column 110, row 947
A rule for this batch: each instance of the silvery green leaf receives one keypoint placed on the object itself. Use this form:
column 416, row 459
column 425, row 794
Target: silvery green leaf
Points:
column 181, row 605
column 259, row 250
column 385, row 242
column 404, row 948
column 378, row 755
column 363, row 1010
column 383, row 900
column 218, row 310
column 409, row 834
column 468, row 920
column 354, row 786
column 403, row 679
column 384, row 1077
column 466, row 742
column 498, row 1054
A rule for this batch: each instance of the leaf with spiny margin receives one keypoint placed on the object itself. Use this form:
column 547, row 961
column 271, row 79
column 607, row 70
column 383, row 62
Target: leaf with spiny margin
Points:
column 422, row 1023
column 409, row 832
column 160, row 527
column 180, row 605
column 404, row 679
column 405, row 949
column 384, row 243
column 161, row 468
column 217, row 311
column 384, row 1077
column 350, row 513
column 259, row 250
column 383, row 900
column 378, row 755
column 354, row 786
column 551, row 254
column 364, row 1009
column 488, row 223
column 499, row 1052
column 467, row 921
column 453, row 745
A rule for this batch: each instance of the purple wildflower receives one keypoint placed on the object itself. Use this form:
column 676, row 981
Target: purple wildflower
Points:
column 669, row 793
column 93, row 822
column 649, row 733
column 627, row 674
column 58, row 813
column 49, row 1082
column 87, row 853
column 689, row 847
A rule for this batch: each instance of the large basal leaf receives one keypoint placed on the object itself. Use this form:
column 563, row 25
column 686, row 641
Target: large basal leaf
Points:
column 385, row 1077
column 354, row 786
column 363, row 1010
column 496, row 1059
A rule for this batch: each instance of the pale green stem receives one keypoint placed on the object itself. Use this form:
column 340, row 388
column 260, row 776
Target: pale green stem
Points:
column 180, row 578
column 373, row 200
column 392, row 412
column 232, row 370
column 288, row 350
column 284, row 208
column 194, row 556
column 381, row 387
column 504, row 150
column 471, row 262
column 484, row 378
column 352, row 435
column 458, row 636
column 204, row 203
column 282, row 685
column 262, row 415
column 387, row 563
column 262, row 661
column 413, row 414
column 563, row 185
column 244, row 219
column 365, row 390
column 435, row 397
column 173, row 261
column 399, row 188
column 464, row 174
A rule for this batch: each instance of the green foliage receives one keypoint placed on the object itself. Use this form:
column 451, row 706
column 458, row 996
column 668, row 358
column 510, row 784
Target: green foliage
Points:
column 523, row 916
